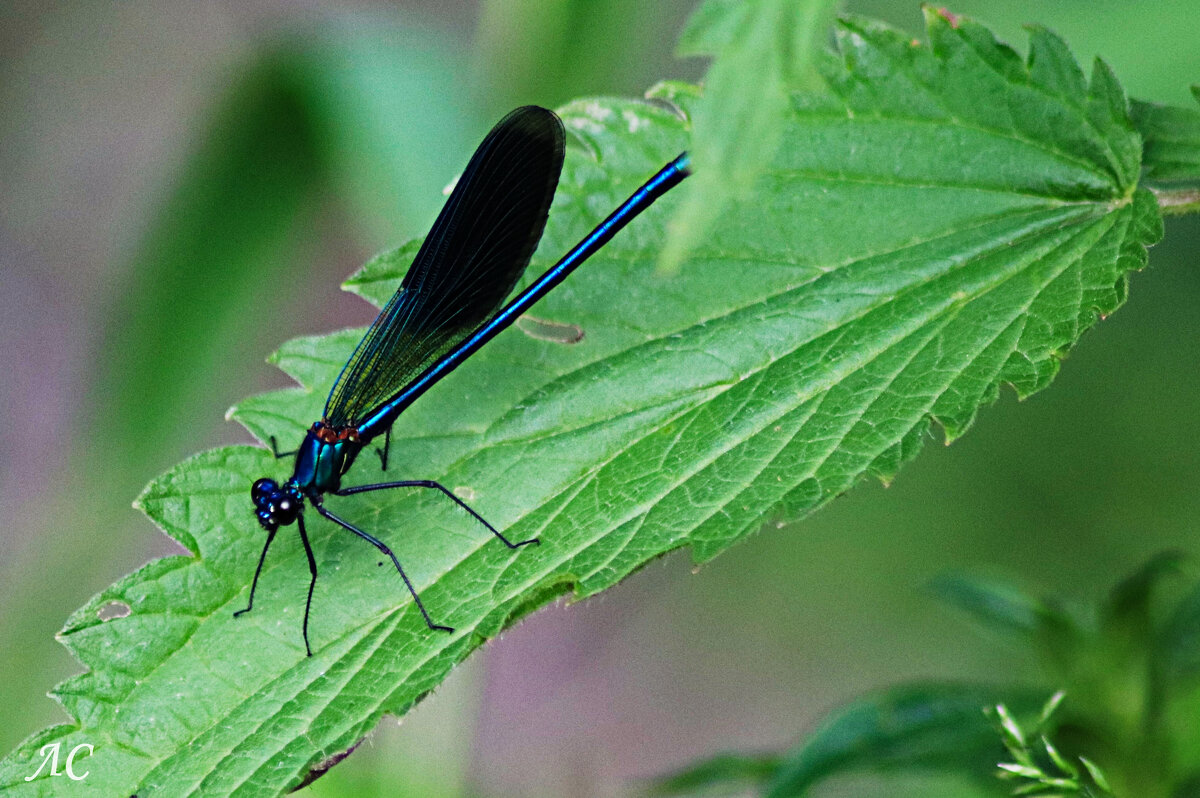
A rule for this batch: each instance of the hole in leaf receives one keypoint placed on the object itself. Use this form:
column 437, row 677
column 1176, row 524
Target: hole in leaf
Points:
column 113, row 609
column 553, row 331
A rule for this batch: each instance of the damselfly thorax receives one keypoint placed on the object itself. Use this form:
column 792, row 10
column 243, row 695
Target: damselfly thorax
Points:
column 325, row 455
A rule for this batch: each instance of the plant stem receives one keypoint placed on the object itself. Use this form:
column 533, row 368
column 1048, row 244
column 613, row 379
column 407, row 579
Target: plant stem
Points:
column 1178, row 202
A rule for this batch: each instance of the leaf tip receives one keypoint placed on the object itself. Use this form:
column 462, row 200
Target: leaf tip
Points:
column 951, row 18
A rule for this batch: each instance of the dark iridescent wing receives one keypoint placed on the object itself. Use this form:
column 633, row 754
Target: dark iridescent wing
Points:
column 470, row 262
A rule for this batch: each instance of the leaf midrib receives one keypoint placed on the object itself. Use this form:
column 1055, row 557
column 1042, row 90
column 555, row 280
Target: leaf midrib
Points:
column 731, row 317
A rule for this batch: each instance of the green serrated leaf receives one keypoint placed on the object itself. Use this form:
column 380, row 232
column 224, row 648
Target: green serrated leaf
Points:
column 946, row 222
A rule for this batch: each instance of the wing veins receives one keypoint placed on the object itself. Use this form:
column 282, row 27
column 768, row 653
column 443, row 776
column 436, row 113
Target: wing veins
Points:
column 472, row 258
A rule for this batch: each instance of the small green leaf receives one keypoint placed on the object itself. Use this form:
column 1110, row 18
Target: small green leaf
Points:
column 1096, row 773
column 1060, row 761
column 1049, row 708
column 1023, row 770
column 1009, row 726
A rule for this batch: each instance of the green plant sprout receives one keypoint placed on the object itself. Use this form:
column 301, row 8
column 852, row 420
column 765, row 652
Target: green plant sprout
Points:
column 1037, row 763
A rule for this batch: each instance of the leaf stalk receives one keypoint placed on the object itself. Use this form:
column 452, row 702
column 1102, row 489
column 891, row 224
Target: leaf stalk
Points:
column 1178, row 202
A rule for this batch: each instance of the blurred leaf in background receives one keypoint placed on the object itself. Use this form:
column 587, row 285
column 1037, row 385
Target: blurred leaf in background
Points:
column 1130, row 717
column 550, row 51
column 762, row 50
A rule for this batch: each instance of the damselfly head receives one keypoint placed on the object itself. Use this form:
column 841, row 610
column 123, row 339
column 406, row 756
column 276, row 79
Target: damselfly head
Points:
column 275, row 505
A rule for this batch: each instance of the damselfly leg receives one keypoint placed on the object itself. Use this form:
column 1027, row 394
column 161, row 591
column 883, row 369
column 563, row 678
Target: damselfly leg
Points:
column 383, row 548
column 258, row 571
column 428, row 483
column 312, row 582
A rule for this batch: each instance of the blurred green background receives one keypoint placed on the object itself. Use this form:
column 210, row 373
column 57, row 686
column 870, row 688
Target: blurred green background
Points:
column 185, row 184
